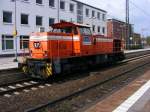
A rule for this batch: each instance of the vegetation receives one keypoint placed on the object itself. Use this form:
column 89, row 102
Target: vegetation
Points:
column 148, row 40
column 134, row 47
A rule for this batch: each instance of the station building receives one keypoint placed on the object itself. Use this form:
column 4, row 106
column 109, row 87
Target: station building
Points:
column 30, row 15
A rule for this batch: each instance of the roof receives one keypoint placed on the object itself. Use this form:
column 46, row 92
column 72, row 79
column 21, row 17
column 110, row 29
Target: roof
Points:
column 90, row 6
column 117, row 20
column 68, row 24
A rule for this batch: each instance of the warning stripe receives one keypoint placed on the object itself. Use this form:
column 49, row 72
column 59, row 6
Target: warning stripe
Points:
column 65, row 38
column 46, row 38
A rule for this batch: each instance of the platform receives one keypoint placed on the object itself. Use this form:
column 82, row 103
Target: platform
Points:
column 143, row 104
column 133, row 51
column 135, row 97
column 8, row 63
column 137, row 102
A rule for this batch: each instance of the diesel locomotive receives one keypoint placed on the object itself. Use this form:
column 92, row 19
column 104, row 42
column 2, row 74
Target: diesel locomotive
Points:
column 67, row 48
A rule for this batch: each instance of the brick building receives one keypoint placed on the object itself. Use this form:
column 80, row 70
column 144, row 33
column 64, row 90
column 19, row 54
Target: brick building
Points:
column 117, row 29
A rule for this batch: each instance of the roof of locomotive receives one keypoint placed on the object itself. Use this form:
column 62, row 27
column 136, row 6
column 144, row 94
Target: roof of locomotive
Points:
column 68, row 24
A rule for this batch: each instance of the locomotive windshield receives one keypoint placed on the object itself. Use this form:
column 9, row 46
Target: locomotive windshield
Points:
column 63, row 30
column 85, row 31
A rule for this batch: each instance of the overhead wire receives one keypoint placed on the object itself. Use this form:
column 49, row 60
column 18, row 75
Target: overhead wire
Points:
column 142, row 10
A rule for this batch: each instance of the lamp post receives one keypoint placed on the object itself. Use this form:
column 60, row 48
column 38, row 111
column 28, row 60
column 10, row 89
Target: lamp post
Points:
column 131, row 42
column 122, row 31
column 123, row 36
column 15, row 31
column 142, row 31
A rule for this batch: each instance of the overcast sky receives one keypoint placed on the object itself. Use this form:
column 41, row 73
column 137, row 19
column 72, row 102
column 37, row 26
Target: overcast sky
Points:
column 139, row 12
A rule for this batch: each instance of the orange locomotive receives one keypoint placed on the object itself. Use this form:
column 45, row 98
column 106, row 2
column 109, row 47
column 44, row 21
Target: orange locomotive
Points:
column 69, row 47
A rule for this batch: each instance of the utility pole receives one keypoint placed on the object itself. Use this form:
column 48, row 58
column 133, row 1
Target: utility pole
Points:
column 127, row 24
column 15, row 31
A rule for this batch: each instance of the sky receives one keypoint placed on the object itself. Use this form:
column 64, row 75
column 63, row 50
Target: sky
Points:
column 139, row 12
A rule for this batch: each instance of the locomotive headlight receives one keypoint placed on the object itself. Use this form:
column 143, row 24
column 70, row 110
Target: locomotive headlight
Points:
column 31, row 53
column 45, row 53
column 36, row 45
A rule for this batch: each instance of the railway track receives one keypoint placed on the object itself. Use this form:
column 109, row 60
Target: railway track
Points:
column 135, row 54
column 90, row 87
column 15, row 82
column 7, row 90
column 12, row 78
column 27, row 83
column 135, row 58
column 24, row 85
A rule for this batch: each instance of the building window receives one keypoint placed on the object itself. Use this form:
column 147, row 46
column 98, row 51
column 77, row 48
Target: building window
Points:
column 7, row 42
column 62, row 5
column 98, row 29
column 71, row 7
column 104, row 17
column 52, row 3
column 24, row 42
column 87, row 12
column 26, row 0
column 93, row 28
column 103, row 30
column 24, row 19
column 39, row 20
column 80, row 19
column 93, row 13
column 39, row 1
column 98, row 15
column 62, row 20
column 7, row 17
column 51, row 21
column 79, row 13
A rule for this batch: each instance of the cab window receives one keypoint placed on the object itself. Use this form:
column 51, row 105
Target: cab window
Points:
column 67, row 30
column 75, row 31
column 85, row 31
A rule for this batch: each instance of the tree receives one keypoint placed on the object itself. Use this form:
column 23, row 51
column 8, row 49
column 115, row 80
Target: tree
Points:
column 148, row 40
